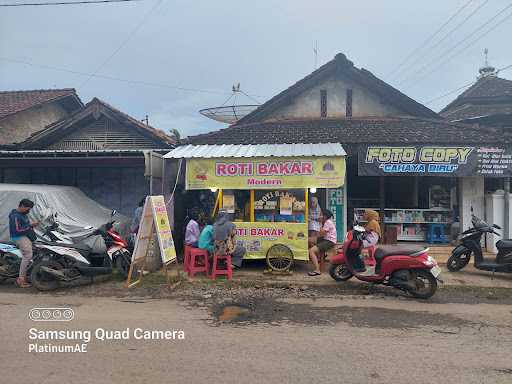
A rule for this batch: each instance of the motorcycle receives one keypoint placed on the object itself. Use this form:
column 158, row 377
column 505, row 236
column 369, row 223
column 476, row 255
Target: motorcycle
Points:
column 61, row 264
column 117, row 247
column 470, row 244
column 10, row 260
column 408, row 268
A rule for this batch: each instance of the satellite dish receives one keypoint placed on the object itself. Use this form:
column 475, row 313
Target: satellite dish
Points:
column 228, row 112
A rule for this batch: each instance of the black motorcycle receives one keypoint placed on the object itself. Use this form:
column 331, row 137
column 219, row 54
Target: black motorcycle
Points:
column 470, row 244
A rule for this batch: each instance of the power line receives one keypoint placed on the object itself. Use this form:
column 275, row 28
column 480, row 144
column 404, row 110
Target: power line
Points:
column 460, row 88
column 450, row 32
column 124, row 42
column 66, row 3
column 449, row 50
column 136, row 82
column 429, row 39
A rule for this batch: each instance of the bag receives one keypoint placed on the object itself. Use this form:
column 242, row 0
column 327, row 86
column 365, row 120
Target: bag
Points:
column 31, row 234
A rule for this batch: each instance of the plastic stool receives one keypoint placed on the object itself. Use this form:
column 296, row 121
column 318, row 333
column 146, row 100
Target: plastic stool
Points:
column 222, row 271
column 196, row 255
column 186, row 257
column 436, row 234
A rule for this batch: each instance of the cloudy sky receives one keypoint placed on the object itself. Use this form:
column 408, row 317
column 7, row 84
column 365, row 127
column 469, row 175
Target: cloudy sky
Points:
column 170, row 58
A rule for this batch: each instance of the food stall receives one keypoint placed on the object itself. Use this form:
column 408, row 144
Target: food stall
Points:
column 266, row 188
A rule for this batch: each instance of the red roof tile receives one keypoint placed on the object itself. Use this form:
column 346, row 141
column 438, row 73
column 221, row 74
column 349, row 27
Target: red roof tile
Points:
column 12, row 102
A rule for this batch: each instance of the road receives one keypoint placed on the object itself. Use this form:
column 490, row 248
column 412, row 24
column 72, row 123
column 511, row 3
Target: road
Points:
column 278, row 337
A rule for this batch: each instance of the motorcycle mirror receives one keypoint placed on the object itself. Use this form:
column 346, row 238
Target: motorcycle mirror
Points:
column 88, row 227
column 113, row 212
column 471, row 209
column 496, row 226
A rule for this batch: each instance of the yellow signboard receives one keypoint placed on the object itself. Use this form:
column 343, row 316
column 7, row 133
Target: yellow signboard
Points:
column 266, row 173
column 163, row 229
column 257, row 238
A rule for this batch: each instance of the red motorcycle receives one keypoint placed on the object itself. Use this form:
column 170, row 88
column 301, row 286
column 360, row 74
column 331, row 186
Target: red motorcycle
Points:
column 408, row 268
column 117, row 247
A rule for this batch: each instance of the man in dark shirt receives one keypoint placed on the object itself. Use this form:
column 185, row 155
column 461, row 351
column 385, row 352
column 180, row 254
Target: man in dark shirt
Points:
column 20, row 228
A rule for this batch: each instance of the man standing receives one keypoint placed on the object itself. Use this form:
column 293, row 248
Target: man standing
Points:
column 22, row 233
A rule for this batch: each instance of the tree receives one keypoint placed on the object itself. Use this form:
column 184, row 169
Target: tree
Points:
column 176, row 134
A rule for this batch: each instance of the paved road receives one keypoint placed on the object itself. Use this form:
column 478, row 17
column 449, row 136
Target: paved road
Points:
column 291, row 339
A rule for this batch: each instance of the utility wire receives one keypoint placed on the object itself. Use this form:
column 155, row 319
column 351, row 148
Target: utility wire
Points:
column 429, row 39
column 462, row 87
column 137, row 82
column 450, row 32
column 124, row 42
column 451, row 49
column 66, row 3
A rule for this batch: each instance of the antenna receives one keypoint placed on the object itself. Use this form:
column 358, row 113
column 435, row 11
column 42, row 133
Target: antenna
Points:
column 315, row 51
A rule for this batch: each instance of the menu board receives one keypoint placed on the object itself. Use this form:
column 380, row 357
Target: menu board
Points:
column 428, row 160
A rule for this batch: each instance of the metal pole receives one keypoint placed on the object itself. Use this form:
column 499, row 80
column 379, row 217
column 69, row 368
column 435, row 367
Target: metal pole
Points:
column 506, row 230
column 382, row 205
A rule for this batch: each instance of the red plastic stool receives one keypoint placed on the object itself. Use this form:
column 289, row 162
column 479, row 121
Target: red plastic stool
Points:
column 196, row 255
column 186, row 257
column 222, row 271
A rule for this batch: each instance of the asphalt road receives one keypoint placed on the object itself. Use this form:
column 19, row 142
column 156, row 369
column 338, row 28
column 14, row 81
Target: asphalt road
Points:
column 288, row 339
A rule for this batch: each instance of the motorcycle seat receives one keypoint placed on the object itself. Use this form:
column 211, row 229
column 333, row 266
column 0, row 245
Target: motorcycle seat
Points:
column 395, row 250
column 504, row 244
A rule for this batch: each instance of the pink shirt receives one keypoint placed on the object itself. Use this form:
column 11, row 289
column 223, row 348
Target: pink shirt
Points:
column 330, row 231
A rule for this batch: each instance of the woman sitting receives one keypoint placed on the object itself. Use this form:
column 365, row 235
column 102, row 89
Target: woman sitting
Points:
column 224, row 232
column 326, row 241
column 206, row 236
column 373, row 232
column 192, row 231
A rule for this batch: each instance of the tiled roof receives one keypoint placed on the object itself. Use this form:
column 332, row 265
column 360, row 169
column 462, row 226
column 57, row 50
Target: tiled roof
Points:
column 56, row 131
column 488, row 96
column 350, row 131
column 12, row 102
column 341, row 65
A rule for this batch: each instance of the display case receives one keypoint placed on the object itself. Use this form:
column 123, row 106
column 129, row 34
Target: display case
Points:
column 411, row 224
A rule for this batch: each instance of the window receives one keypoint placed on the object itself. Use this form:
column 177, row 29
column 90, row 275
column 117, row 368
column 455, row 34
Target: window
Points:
column 323, row 103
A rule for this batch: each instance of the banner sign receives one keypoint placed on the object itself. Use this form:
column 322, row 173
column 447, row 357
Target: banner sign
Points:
column 266, row 173
column 257, row 238
column 435, row 161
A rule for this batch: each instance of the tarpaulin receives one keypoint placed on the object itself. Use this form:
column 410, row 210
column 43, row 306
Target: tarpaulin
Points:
column 74, row 209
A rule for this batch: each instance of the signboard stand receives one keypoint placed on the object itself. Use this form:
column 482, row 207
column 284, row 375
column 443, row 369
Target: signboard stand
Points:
column 154, row 220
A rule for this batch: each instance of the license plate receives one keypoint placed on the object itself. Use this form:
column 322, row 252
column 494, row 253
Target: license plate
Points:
column 435, row 271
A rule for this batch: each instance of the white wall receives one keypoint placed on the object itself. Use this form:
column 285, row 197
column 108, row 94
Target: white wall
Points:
column 471, row 195
column 307, row 104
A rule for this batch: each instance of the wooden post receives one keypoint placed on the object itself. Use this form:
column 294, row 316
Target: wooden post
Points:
column 252, row 206
column 382, row 203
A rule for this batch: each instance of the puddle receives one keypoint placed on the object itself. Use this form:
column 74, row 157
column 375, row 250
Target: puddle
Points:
column 232, row 313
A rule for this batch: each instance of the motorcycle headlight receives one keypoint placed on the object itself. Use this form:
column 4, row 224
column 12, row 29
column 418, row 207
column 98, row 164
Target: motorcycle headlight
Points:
column 430, row 261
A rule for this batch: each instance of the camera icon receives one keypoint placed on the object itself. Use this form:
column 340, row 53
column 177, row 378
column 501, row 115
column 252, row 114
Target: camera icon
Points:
column 51, row 314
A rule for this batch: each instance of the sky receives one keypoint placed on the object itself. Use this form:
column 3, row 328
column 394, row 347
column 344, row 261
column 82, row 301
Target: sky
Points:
column 170, row 58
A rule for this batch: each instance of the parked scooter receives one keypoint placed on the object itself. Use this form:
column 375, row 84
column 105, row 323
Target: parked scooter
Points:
column 470, row 244
column 117, row 247
column 10, row 260
column 408, row 268
column 61, row 264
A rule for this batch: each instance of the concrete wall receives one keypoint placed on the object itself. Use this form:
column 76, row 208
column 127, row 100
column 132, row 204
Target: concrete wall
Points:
column 17, row 128
column 307, row 104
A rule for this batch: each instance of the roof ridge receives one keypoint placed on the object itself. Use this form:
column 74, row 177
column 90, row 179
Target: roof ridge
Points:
column 39, row 90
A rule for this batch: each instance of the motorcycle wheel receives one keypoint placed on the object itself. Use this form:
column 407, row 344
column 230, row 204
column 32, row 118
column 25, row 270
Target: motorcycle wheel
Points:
column 340, row 272
column 425, row 284
column 122, row 265
column 457, row 262
column 42, row 280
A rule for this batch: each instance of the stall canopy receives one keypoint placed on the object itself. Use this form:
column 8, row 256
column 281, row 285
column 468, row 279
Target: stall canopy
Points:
column 262, row 166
